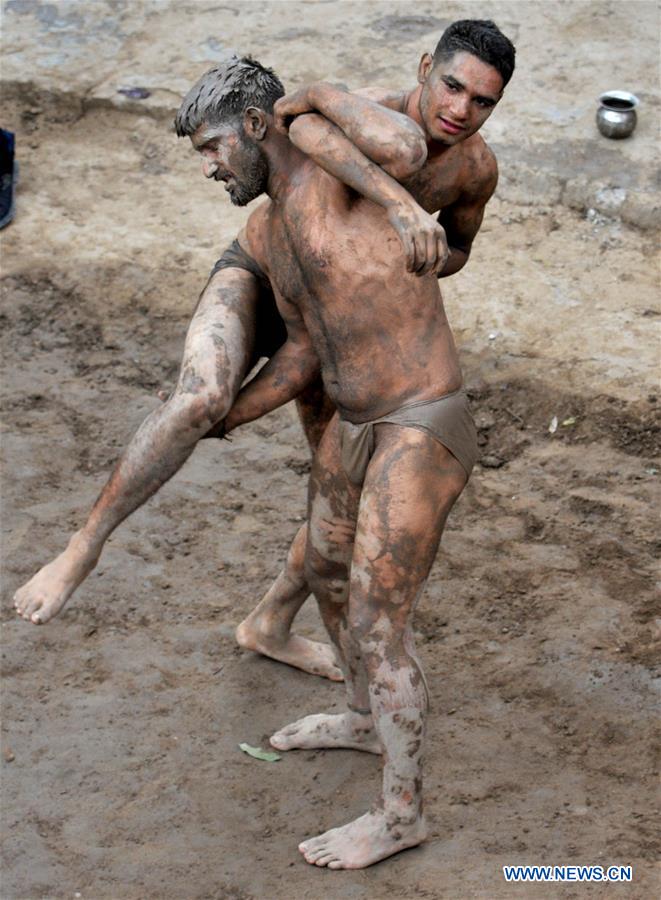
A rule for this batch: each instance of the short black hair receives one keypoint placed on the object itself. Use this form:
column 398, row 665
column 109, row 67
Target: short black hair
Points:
column 226, row 92
column 483, row 39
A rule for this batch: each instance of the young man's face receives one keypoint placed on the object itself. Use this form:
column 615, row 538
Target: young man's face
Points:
column 229, row 156
column 458, row 96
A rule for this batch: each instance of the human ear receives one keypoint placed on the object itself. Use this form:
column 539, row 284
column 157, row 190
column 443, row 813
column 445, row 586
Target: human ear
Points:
column 425, row 67
column 254, row 123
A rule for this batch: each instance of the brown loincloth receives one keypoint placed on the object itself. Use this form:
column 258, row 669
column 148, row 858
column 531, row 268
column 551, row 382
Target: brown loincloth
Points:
column 447, row 419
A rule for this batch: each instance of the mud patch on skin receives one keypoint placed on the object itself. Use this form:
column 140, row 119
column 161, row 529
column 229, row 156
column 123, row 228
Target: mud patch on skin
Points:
column 190, row 382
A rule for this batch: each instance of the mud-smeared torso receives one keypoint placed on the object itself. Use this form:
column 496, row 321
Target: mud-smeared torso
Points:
column 381, row 333
column 445, row 178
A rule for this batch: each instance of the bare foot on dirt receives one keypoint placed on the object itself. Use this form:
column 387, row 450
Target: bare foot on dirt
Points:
column 46, row 593
column 294, row 650
column 353, row 731
column 362, row 842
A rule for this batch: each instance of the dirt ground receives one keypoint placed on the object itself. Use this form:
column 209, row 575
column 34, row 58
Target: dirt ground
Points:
column 122, row 777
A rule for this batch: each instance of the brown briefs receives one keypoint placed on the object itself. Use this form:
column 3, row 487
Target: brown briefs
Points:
column 447, row 419
column 270, row 329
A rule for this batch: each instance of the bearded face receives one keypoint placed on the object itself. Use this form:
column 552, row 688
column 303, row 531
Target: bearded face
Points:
column 251, row 172
column 228, row 155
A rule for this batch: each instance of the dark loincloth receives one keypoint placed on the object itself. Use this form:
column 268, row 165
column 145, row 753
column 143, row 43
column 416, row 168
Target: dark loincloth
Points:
column 447, row 419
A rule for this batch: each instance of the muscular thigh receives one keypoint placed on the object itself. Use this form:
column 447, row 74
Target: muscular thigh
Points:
column 411, row 484
column 332, row 509
column 221, row 336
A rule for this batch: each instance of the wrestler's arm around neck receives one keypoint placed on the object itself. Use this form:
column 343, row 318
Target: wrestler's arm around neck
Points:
column 382, row 133
column 421, row 236
column 368, row 144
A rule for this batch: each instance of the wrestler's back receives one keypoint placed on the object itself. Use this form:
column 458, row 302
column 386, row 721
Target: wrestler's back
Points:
column 381, row 333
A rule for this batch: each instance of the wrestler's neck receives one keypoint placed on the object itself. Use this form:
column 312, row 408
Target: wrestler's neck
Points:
column 411, row 107
column 284, row 160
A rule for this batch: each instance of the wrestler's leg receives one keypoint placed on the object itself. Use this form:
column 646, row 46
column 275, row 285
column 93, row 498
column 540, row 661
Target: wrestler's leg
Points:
column 267, row 629
column 411, row 485
column 217, row 353
column 333, row 505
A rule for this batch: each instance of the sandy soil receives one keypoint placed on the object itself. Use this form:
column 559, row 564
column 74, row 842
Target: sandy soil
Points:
column 122, row 774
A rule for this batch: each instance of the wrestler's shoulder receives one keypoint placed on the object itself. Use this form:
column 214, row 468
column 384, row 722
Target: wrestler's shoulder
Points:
column 383, row 96
column 481, row 166
column 253, row 236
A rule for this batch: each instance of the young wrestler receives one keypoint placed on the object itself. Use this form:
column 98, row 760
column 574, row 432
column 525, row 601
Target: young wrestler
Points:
column 399, row 451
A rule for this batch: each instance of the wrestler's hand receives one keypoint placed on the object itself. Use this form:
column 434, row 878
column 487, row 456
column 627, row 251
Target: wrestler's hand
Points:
column 422, row 237
column 288, row 107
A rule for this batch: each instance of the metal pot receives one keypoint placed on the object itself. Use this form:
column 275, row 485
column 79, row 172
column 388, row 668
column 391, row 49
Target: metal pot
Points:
column 616, row 116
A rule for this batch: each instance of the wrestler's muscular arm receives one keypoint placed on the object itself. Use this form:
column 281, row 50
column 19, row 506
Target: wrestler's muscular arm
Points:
column 384, row 135
column 462, row 219
column 368, row 147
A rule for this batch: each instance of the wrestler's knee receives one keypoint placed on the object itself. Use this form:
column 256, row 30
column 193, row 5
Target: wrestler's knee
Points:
column 379, row 609
column 218, row 400
column 328, row 579
column 198, row 403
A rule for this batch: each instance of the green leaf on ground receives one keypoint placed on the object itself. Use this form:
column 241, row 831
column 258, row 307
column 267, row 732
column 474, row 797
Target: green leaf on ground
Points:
column 258, row 753
column 570, row 421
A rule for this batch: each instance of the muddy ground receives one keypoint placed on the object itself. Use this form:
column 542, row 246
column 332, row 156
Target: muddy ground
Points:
column 122, row 775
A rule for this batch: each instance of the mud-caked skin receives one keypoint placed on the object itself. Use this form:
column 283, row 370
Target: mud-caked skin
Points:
column 457, row 177
column 352, row 300
column 367, row 589
column 357, row 290
column 367, row 139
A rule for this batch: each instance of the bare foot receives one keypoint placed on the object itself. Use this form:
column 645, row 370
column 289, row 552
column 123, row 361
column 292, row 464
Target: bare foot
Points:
column 46, row 593
column 363, row 842
column 351, row 730
column 294, row 650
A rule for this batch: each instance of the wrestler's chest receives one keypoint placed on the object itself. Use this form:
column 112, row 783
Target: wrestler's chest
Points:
column 302, row 254
column 433, row 190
